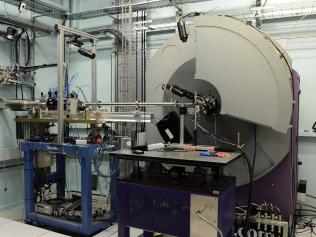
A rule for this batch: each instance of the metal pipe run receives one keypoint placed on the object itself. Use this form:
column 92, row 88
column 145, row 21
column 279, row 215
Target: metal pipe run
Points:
column 140, row 104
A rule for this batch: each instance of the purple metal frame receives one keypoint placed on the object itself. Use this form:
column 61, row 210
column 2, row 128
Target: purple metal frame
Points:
column 279, row 186
column 167, row 211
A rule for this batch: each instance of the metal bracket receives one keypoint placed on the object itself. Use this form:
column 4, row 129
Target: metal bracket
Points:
column 258, row 20
column 2, row 104
column 176, row 5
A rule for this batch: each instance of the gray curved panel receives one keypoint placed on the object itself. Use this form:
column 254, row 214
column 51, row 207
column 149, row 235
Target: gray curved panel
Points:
column 250, row 73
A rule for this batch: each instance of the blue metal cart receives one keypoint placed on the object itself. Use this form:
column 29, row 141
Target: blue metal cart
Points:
column 87, row 225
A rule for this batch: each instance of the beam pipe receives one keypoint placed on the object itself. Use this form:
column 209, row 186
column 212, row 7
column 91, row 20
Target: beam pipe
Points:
column 140, row 104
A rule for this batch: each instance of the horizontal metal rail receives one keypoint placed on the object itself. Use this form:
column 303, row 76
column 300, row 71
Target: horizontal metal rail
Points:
column 76, row 32
column 140, row 6
column 40, row 7
column 140, row 104
column 23, row 23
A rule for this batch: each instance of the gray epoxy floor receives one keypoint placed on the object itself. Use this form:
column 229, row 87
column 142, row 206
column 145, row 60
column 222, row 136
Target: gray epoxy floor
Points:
column 17, row 215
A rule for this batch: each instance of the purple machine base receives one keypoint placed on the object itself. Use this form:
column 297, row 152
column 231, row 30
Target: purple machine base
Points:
column 166, row 210
column 279, row 186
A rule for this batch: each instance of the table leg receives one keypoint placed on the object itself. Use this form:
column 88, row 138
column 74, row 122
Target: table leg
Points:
column 148, row 234
column 123, row 231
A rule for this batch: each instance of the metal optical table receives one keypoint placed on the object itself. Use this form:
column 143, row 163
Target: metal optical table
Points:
column 157, row 203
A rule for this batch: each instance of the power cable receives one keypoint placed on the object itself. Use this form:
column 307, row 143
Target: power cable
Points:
column 250, row 169
column 199, row 214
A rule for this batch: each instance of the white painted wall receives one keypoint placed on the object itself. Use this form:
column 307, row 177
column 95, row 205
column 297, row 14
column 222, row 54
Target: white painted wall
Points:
column 79, row 6
column 82, row 67
column 11, row 179
column 45, row 53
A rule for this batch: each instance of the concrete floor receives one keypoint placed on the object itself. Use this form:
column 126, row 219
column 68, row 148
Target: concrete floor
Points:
column 17, row 215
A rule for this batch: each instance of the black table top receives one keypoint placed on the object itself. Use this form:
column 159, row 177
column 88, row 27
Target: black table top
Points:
column 177, row 157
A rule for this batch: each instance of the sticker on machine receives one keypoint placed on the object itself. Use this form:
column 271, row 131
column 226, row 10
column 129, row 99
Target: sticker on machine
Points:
column 169, row 133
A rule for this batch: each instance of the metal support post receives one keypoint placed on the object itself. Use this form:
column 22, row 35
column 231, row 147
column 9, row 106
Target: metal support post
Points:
column 148, row 234
column 86, row 197
column 195, row 121
column 61, row 84
column 123, row 231
column 61, row 174
column 183, row 112
column 258, row 20
column 61, row 72
column 94, row 95
column 182, row 129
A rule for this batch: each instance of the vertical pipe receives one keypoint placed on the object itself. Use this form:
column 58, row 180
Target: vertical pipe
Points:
column 181, row 126
column 258, row 20
column 114, row 167
column 195, row 121
column 94, row 94
column 61, row 84
column 32, row 64
column 86, row 193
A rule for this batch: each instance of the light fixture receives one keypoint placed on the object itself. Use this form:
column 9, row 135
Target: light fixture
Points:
column 11, row 33
column 183, row 34
column 110, row 35
column 76, row 46
column 22, row 7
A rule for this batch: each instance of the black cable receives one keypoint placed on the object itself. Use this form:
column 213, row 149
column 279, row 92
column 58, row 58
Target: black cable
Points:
column 265, row 3
column 310, row 206
column 251, row 176
column 16, row 91
column 22, row 96
column 28, row 41
column 308, row 210
column 17, row 55
column 34, row 68
column 304, row 223
column 250, row 170
column 312, row 229
column 249, row 206
column 310, row 196
column 305, row 215
column 255, row 149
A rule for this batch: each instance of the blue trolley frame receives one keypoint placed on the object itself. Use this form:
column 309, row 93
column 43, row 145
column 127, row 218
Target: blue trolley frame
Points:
column 87, row 226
